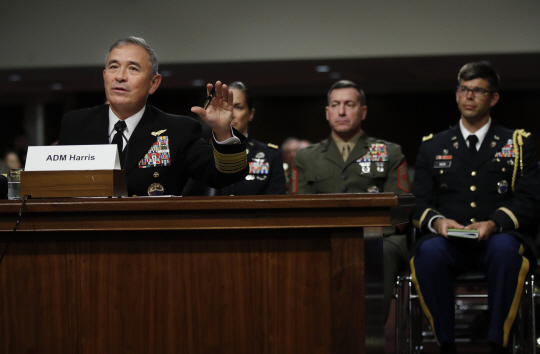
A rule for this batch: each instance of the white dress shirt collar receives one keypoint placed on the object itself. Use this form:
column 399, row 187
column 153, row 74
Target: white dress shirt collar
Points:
column 131, row 123
column 480, row 133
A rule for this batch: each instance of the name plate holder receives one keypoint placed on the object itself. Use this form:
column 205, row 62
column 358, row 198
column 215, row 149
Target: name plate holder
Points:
column 73, row 171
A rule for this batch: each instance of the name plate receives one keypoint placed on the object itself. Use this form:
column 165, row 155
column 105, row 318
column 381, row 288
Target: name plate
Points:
column 72, row 158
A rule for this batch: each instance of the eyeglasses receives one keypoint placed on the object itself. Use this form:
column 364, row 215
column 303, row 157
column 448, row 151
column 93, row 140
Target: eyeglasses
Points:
column 477, row 91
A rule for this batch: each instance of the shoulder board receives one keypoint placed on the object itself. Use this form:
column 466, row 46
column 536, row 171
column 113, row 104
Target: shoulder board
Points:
column 427, row 137
column 273, row 146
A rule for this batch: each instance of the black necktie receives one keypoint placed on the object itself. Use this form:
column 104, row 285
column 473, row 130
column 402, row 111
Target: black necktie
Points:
column 118, row 139
column 473, row 139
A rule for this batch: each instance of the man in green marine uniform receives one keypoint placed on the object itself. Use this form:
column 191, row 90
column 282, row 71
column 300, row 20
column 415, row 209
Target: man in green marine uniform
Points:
column 349, row 161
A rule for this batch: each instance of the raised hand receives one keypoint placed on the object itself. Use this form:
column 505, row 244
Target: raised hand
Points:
column 218, row 114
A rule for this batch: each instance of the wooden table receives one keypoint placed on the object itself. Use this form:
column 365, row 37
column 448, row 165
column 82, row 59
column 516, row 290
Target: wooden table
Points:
column 258, row 274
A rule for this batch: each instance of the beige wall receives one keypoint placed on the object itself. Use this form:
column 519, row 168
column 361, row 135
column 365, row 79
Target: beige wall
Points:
column 78, row 33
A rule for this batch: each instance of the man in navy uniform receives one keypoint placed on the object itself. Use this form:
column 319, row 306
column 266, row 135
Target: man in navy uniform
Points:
column 349, row 161
column 158, row 151
column 475, row 176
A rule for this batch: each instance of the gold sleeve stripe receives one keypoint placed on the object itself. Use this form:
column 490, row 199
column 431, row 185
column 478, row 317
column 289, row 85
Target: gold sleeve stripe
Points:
column 230, row 163
column 515, row 303
column 230, row 168
column 421, row 298
column 418, row 223
column 511, row 215
column 230, row 157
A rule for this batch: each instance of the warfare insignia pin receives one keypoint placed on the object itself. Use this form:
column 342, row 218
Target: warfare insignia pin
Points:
column 445, row 152
column 159, row 132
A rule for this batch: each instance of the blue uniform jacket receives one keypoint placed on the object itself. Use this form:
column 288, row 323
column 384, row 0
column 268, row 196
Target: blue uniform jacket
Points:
column 449, row 182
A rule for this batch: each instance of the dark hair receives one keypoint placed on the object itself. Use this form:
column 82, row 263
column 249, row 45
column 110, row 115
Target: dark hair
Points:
column 239, row 85
column 479, row 70
column 141, row 43
column 346, row 84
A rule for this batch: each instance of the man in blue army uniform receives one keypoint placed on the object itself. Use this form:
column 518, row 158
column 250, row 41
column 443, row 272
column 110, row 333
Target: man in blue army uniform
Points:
column 266, row 175
column 475, row 176
column 158, row 151
column 349, row 161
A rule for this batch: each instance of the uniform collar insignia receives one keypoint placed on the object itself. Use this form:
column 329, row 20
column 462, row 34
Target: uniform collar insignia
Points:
column 159, row 132
column 427, row 137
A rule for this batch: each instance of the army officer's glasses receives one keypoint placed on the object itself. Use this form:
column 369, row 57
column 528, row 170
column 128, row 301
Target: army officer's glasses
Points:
column 477, row 91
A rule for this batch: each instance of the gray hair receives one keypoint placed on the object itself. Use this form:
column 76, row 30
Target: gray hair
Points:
column 131, row 40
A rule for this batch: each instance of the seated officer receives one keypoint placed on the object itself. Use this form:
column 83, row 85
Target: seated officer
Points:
column 266, row 174
column 158, row 151
column 475, row 176
column 349, row 161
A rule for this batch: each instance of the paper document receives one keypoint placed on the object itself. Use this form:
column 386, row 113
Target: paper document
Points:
column 463, row 233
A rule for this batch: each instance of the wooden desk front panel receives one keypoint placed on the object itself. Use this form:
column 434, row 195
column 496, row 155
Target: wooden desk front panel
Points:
column 207, row 291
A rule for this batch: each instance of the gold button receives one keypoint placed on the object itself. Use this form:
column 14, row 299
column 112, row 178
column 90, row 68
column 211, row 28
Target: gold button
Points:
column 156, row 174
column 473, row 188
column 504, row 169
column 134, row 195
column 473, row 173
column 441, row 172
column 473, row 204
column 473, row 220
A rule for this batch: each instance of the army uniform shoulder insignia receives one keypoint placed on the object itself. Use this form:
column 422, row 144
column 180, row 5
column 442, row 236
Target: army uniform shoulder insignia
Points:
column 427, row 137
column 273, row 146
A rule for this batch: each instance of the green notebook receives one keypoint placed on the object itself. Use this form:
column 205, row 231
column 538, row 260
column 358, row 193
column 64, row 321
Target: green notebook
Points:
column 463, row 233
